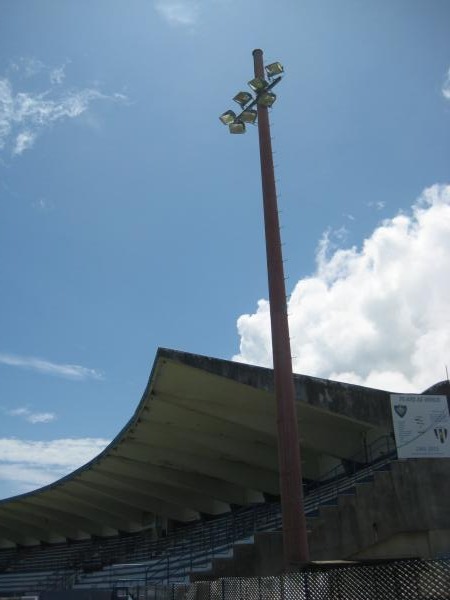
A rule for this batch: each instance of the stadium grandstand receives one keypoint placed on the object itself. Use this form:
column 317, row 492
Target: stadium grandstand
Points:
column 189, row 488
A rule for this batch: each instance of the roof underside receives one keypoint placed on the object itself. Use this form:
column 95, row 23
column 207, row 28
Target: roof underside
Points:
column 203, row 438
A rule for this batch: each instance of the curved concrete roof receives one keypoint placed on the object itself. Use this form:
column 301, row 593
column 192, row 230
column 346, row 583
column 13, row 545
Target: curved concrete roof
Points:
column 202, row 438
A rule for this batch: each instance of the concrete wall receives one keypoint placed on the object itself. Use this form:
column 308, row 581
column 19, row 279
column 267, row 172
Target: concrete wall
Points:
column 402, row 513
column 412, row 498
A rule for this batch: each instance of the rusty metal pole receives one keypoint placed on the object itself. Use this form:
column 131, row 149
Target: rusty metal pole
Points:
column 295, row 540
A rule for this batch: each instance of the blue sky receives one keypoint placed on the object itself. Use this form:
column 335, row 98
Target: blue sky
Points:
column 131, row 219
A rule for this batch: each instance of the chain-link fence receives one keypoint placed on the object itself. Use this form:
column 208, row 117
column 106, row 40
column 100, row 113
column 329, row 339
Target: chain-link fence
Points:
column 396, row 580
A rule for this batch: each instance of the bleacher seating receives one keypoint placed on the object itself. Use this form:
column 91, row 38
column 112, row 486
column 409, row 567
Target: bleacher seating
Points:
column 136, row 560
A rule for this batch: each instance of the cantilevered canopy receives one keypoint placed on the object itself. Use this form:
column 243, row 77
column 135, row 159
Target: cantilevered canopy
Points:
column 202, row 438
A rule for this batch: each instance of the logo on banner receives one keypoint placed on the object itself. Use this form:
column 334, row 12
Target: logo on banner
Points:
column 441, row 434
column 400, row 409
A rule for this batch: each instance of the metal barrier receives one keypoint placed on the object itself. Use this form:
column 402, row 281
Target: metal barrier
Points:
column 413, row 579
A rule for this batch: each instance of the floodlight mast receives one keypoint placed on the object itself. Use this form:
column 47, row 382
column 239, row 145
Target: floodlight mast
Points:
column 295, row 539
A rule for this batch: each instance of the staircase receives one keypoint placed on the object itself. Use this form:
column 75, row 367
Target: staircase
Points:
column 393, row 509
column 229, row 544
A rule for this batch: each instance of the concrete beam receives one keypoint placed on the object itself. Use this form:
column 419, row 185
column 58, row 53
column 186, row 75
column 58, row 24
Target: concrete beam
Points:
column 101, row 524
column 234, row 472
column 28, row 526
column 213, row 445
column 182, row 498
column 38, row 506
column 16, row 537
column 170, row 409
column 113, row 506
column 47, row 520
column 328, row 433
column 183, row 481
column 126, row 485
column 79, row 501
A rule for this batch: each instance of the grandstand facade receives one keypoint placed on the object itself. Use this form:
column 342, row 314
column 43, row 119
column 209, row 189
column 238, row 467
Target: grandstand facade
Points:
column 189, row 488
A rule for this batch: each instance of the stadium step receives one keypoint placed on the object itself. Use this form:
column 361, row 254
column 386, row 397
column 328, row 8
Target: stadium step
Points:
column 198, row 548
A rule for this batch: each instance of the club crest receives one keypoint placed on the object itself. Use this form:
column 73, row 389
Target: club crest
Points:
column 441, row 434
column 400, row 409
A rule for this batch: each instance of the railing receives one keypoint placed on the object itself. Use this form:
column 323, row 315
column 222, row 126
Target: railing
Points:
column 216, row 535
column 204, row 541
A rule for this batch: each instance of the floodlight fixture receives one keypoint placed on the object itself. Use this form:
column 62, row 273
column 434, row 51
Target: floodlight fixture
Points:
column 273, row 69
column 258, row 84
column 228, row 117
column 237, row 126
column 266, row 99
column 243, row 98
column 249, row 116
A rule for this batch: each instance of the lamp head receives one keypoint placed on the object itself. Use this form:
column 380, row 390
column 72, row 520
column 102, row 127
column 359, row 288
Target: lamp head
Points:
column 228, row 117
column 258, row 84
column 248, row 116
column 266, row 99
column 237, row 127
column 273, row 69
column 243, row 98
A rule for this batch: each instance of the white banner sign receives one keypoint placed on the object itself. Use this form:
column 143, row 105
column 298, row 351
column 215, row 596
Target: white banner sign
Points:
column 421, row 426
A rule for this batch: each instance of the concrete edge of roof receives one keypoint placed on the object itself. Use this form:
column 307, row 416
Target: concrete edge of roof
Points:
column 102, row 454
column 216, row 366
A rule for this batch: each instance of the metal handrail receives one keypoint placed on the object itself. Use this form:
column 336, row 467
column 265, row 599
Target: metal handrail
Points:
column 209, row 538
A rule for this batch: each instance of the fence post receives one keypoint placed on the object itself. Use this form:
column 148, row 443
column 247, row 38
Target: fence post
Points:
column 339, row 584
column 307, row 594
column 281, row 578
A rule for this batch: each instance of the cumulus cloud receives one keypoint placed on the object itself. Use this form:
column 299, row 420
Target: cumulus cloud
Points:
column 24, row 465
column 24, row 115
column 376, row 315
column 32, row 417
column 46, row 367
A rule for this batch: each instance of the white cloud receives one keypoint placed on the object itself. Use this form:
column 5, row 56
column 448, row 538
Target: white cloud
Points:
column 28, row 464
column 26, row 478
column 27, row 66
column 377, row 315
column 178, row 12
column 24, row 141
column 446, row 86
column 341, row 234
column 30, row 416
column 46, row 367
column 42, row 204
column 378, row 205
column 69, row 453
column 24, row 115
column 41, row 417
column 57, row 75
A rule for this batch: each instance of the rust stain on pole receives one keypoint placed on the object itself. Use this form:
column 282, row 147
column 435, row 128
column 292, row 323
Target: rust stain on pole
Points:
column 295, row 538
